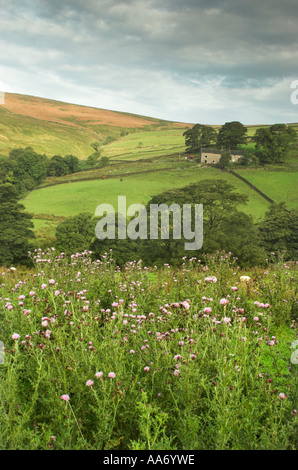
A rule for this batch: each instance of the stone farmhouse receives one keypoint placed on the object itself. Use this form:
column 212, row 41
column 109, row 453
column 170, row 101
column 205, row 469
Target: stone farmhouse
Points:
column 213, row 155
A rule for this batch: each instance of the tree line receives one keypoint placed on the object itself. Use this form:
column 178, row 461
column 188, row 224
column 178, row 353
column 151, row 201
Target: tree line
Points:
column 226, row 228
column 272, row 143
column 20, row 172
column 26, row 169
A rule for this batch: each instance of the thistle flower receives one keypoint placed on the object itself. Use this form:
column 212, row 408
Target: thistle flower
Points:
column 64, row 397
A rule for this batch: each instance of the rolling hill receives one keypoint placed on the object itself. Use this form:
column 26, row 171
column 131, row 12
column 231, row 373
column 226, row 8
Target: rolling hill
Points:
column 54, row 127
column 146, row 157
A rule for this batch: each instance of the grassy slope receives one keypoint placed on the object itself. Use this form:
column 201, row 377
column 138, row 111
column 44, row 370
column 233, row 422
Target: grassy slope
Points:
column 278, row 185
column 53, row 127
column 146, row 144
column 70, row 199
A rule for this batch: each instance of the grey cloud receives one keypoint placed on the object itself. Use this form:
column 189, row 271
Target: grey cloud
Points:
column 136, row 47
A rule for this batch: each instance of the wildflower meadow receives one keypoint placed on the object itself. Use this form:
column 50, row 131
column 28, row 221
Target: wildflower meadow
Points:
column 192, row 358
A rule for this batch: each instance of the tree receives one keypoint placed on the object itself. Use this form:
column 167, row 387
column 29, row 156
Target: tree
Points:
column 278, row 231
column 220, row 202
column 6, row 170
column 240, row 236
column 123, row 250
column 231, row 134
column 57, row 166
column 274, row 143
column 15, row 228
column 75, row 234
column 199, row 136
column 28, row 167
column 104, row 161
column 109, row 139
column 72, row 162
column 225, row 159
column 93, row 158
column 249, row 157
column 95, row 145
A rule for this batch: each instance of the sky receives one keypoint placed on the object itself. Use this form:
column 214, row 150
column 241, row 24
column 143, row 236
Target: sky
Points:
column 193, row 61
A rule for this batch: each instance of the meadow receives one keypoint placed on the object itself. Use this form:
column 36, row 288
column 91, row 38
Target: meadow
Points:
column 278, row 185
column 195, row 358
column 144, row 145
column 70, row 199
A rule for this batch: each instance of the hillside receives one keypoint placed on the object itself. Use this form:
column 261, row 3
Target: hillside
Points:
column 55, row 127
column 146, row 158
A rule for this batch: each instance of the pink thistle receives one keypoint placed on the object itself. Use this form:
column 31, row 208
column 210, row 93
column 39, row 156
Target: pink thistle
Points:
column 64, row 397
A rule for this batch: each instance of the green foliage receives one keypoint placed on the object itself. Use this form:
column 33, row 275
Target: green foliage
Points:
column 189, row 373
column 225, row 159
column 199, row 136
column 57, row 166
column 237, row 234
column 93, row 158
column 225, row 227
column 104, row 161
column 27, row 169
column 249, row 158
column 273, row 143
column 15, row 228
column 278, row 231
column 109, row 139
column 231, row 134
column 75, row 233
column 72, row 162
column 95, row 145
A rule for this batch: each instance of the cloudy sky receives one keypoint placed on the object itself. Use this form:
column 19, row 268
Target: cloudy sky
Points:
column 195, row 61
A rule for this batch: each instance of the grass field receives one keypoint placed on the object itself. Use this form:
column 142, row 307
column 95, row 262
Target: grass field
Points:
column 144, row 145
column 72, row 198
column 278, row 185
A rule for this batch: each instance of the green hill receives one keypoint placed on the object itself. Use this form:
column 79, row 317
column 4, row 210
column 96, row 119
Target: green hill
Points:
column 146, row 155
column 53, row 127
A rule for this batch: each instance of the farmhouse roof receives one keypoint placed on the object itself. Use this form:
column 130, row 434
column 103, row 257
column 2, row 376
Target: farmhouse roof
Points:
column 219, row 151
